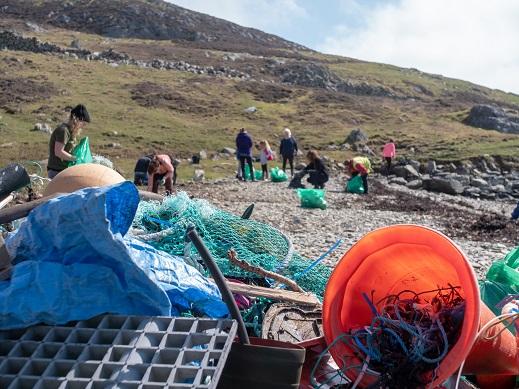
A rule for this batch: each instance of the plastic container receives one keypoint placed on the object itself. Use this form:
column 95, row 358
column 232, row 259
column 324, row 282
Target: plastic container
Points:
column 117, row 351
column 411, row 257
column 265, row 363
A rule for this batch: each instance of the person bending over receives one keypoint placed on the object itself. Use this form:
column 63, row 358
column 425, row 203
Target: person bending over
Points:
column 161, row 166
column 317, row 169
column 359, row 165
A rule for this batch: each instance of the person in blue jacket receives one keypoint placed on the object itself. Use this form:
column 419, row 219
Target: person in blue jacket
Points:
column 515, row 213
column 244, row 150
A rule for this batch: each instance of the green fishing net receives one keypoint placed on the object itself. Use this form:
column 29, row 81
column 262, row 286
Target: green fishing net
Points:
column 164, row 226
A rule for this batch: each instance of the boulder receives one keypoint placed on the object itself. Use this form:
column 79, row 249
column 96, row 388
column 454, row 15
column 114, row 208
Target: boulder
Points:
column 398, row 181
column 199, row 175
column 406, row 171
column 414, row 184
column 492, row 118
column 443, row 185
column 357, row 136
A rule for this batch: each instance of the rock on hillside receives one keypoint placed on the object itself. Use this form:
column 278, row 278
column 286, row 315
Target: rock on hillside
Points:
column 493, row 118
column 154, row 19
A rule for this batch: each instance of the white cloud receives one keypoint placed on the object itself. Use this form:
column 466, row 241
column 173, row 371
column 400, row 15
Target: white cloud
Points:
column 472, row 40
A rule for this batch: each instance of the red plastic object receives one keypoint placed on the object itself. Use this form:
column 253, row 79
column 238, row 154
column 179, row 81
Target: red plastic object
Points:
column 410, row 257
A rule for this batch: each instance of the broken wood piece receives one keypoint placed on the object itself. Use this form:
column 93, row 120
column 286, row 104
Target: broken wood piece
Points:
column 242, row 264
column 302, row 298
column 22, row 210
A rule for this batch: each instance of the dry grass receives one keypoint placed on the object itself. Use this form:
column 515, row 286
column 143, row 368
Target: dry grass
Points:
column 136, row 111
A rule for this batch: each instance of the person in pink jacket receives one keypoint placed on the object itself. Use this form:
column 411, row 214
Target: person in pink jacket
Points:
column 389, row 153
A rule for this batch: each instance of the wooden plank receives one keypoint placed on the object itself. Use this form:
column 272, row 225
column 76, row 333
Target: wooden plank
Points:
column 274, row 294
column 22, row 210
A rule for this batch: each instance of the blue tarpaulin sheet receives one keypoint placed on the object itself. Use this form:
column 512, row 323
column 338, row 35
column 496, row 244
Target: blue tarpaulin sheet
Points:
column 72, row 262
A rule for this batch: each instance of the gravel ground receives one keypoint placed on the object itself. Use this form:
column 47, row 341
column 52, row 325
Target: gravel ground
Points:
column 482, row 229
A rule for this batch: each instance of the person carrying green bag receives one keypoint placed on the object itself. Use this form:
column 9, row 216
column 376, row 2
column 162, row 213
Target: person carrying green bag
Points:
column 359, row 166
column 63, row 140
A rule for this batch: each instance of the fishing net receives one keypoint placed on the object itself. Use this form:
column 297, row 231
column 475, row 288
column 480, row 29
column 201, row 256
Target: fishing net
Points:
column 164, row 226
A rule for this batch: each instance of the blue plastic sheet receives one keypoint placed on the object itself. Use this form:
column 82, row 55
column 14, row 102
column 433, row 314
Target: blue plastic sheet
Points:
column 72, row 262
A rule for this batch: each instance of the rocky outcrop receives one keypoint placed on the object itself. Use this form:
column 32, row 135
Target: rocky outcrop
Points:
column 492, row 118
column 318, row 76
column 310, row 75
column 153, row 19
column 483, row 179
column 18, row 42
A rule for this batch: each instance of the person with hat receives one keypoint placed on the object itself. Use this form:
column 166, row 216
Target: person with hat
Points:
column 359, row 165
column 63, row 140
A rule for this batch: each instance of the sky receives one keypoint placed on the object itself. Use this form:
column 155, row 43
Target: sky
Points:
column 471, row 40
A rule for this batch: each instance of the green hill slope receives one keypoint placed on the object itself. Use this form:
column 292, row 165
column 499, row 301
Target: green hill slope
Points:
column 137, row 109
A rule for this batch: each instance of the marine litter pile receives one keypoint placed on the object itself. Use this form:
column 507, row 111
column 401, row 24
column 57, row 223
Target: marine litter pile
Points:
column 132, row 257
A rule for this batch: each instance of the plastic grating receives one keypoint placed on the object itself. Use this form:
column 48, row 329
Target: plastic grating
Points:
column 117, row 351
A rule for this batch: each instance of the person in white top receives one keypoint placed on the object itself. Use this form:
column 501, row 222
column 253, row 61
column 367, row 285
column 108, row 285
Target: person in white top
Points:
column 265, row 156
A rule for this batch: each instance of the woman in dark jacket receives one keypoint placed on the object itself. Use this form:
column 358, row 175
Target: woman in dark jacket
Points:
column 317, row 169
column 287, row 149
column 244, row 150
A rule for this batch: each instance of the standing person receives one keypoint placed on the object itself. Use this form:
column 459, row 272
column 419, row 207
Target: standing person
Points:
column 63, row 140
column 244, row 146
column 515, row 212
column 317, row 169
column 389, row 153
column 287, row 149
column 161, row 166
column 140, row 173
column 265, row 156
column 359, row 165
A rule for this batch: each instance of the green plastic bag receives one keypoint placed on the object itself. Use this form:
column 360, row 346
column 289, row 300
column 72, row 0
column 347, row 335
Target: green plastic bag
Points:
column 355, row 185
column 501, row 280
column 312, row 198
column 278, row 175
column 82, row 152
column 257, row 173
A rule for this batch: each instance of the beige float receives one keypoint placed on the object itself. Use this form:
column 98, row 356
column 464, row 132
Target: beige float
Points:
column 82, row 176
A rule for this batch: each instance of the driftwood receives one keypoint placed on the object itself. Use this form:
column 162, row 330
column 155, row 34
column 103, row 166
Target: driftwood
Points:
column 304, row 298
column 242, row 264
column 22, row 210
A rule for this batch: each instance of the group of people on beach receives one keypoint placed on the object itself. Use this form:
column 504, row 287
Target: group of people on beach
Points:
column 153, row 169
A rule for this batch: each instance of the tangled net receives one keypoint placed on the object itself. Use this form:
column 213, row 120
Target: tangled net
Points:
column 259, row 244
column 407, row 337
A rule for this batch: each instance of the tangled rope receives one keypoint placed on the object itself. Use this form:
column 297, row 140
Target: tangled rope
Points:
column 406, row 339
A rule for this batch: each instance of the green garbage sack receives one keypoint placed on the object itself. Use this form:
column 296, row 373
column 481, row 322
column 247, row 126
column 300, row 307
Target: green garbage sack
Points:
column 501, row 280
column 257, row 173
column 312, row 198
column 355, row 185
column 82, row 152
column 492, row 292
column 512, row 258
column 278, row 175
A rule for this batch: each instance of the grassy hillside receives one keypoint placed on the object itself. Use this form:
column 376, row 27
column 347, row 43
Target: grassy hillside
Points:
column 136, row 111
